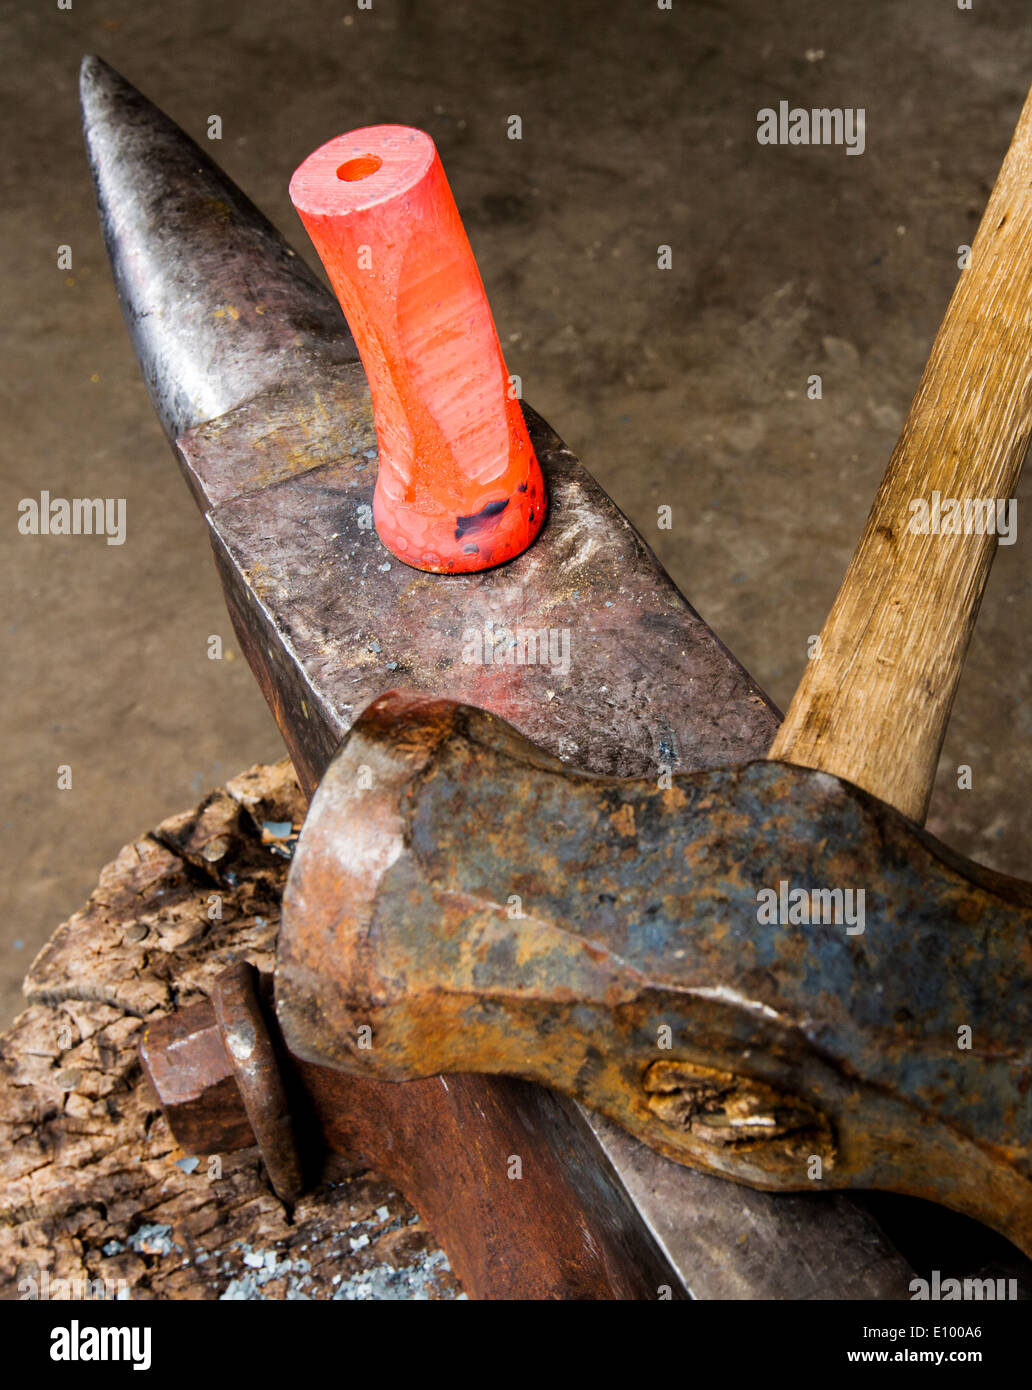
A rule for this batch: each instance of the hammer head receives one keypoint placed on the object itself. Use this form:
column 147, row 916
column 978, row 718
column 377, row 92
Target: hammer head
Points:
column 759, row 970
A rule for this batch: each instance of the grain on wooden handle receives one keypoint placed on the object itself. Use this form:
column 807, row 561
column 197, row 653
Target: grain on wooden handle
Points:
column 873, row 706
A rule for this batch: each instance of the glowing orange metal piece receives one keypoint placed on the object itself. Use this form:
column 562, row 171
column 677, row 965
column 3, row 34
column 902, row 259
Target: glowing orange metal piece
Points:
column 459, row 486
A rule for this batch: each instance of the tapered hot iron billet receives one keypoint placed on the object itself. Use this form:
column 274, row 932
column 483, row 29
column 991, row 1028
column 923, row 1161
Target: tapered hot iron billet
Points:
column 459, row 488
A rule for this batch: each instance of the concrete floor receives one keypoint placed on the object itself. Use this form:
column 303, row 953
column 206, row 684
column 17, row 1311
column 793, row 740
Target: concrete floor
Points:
column 684, row 387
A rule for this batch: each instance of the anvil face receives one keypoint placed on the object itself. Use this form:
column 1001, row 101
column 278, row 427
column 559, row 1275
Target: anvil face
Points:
column 582, row 642
column 253, row 374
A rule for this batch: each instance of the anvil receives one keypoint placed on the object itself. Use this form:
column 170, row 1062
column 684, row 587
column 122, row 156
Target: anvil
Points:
column 256, row 381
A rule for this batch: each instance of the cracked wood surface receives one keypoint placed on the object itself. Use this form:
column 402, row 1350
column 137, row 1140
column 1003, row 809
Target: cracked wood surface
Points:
column 92, row 1186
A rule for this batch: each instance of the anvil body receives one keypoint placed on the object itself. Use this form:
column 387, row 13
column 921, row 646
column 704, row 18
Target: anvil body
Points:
column 254, row 376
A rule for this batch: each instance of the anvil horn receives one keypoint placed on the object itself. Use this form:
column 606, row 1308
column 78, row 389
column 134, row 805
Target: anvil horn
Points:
column 217, row 304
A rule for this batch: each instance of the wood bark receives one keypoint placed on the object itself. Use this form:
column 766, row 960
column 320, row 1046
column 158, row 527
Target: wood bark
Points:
column 95, row 1198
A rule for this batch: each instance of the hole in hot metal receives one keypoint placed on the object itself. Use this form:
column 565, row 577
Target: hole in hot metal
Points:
column 359, row 168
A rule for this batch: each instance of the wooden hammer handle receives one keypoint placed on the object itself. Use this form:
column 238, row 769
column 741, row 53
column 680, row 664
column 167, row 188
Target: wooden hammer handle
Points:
column 874, row 703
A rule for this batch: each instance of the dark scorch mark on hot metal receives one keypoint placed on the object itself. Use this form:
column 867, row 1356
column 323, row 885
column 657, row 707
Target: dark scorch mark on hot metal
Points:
column 474, row 525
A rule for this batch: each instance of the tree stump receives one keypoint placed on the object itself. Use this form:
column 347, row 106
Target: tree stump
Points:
column 95, row 1198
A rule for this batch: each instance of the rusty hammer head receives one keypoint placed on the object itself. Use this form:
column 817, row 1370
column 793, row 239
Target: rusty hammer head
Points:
column 760, row 970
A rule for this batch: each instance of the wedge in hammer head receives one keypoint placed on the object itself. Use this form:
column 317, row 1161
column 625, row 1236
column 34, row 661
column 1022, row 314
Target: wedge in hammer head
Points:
column 276, row 440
